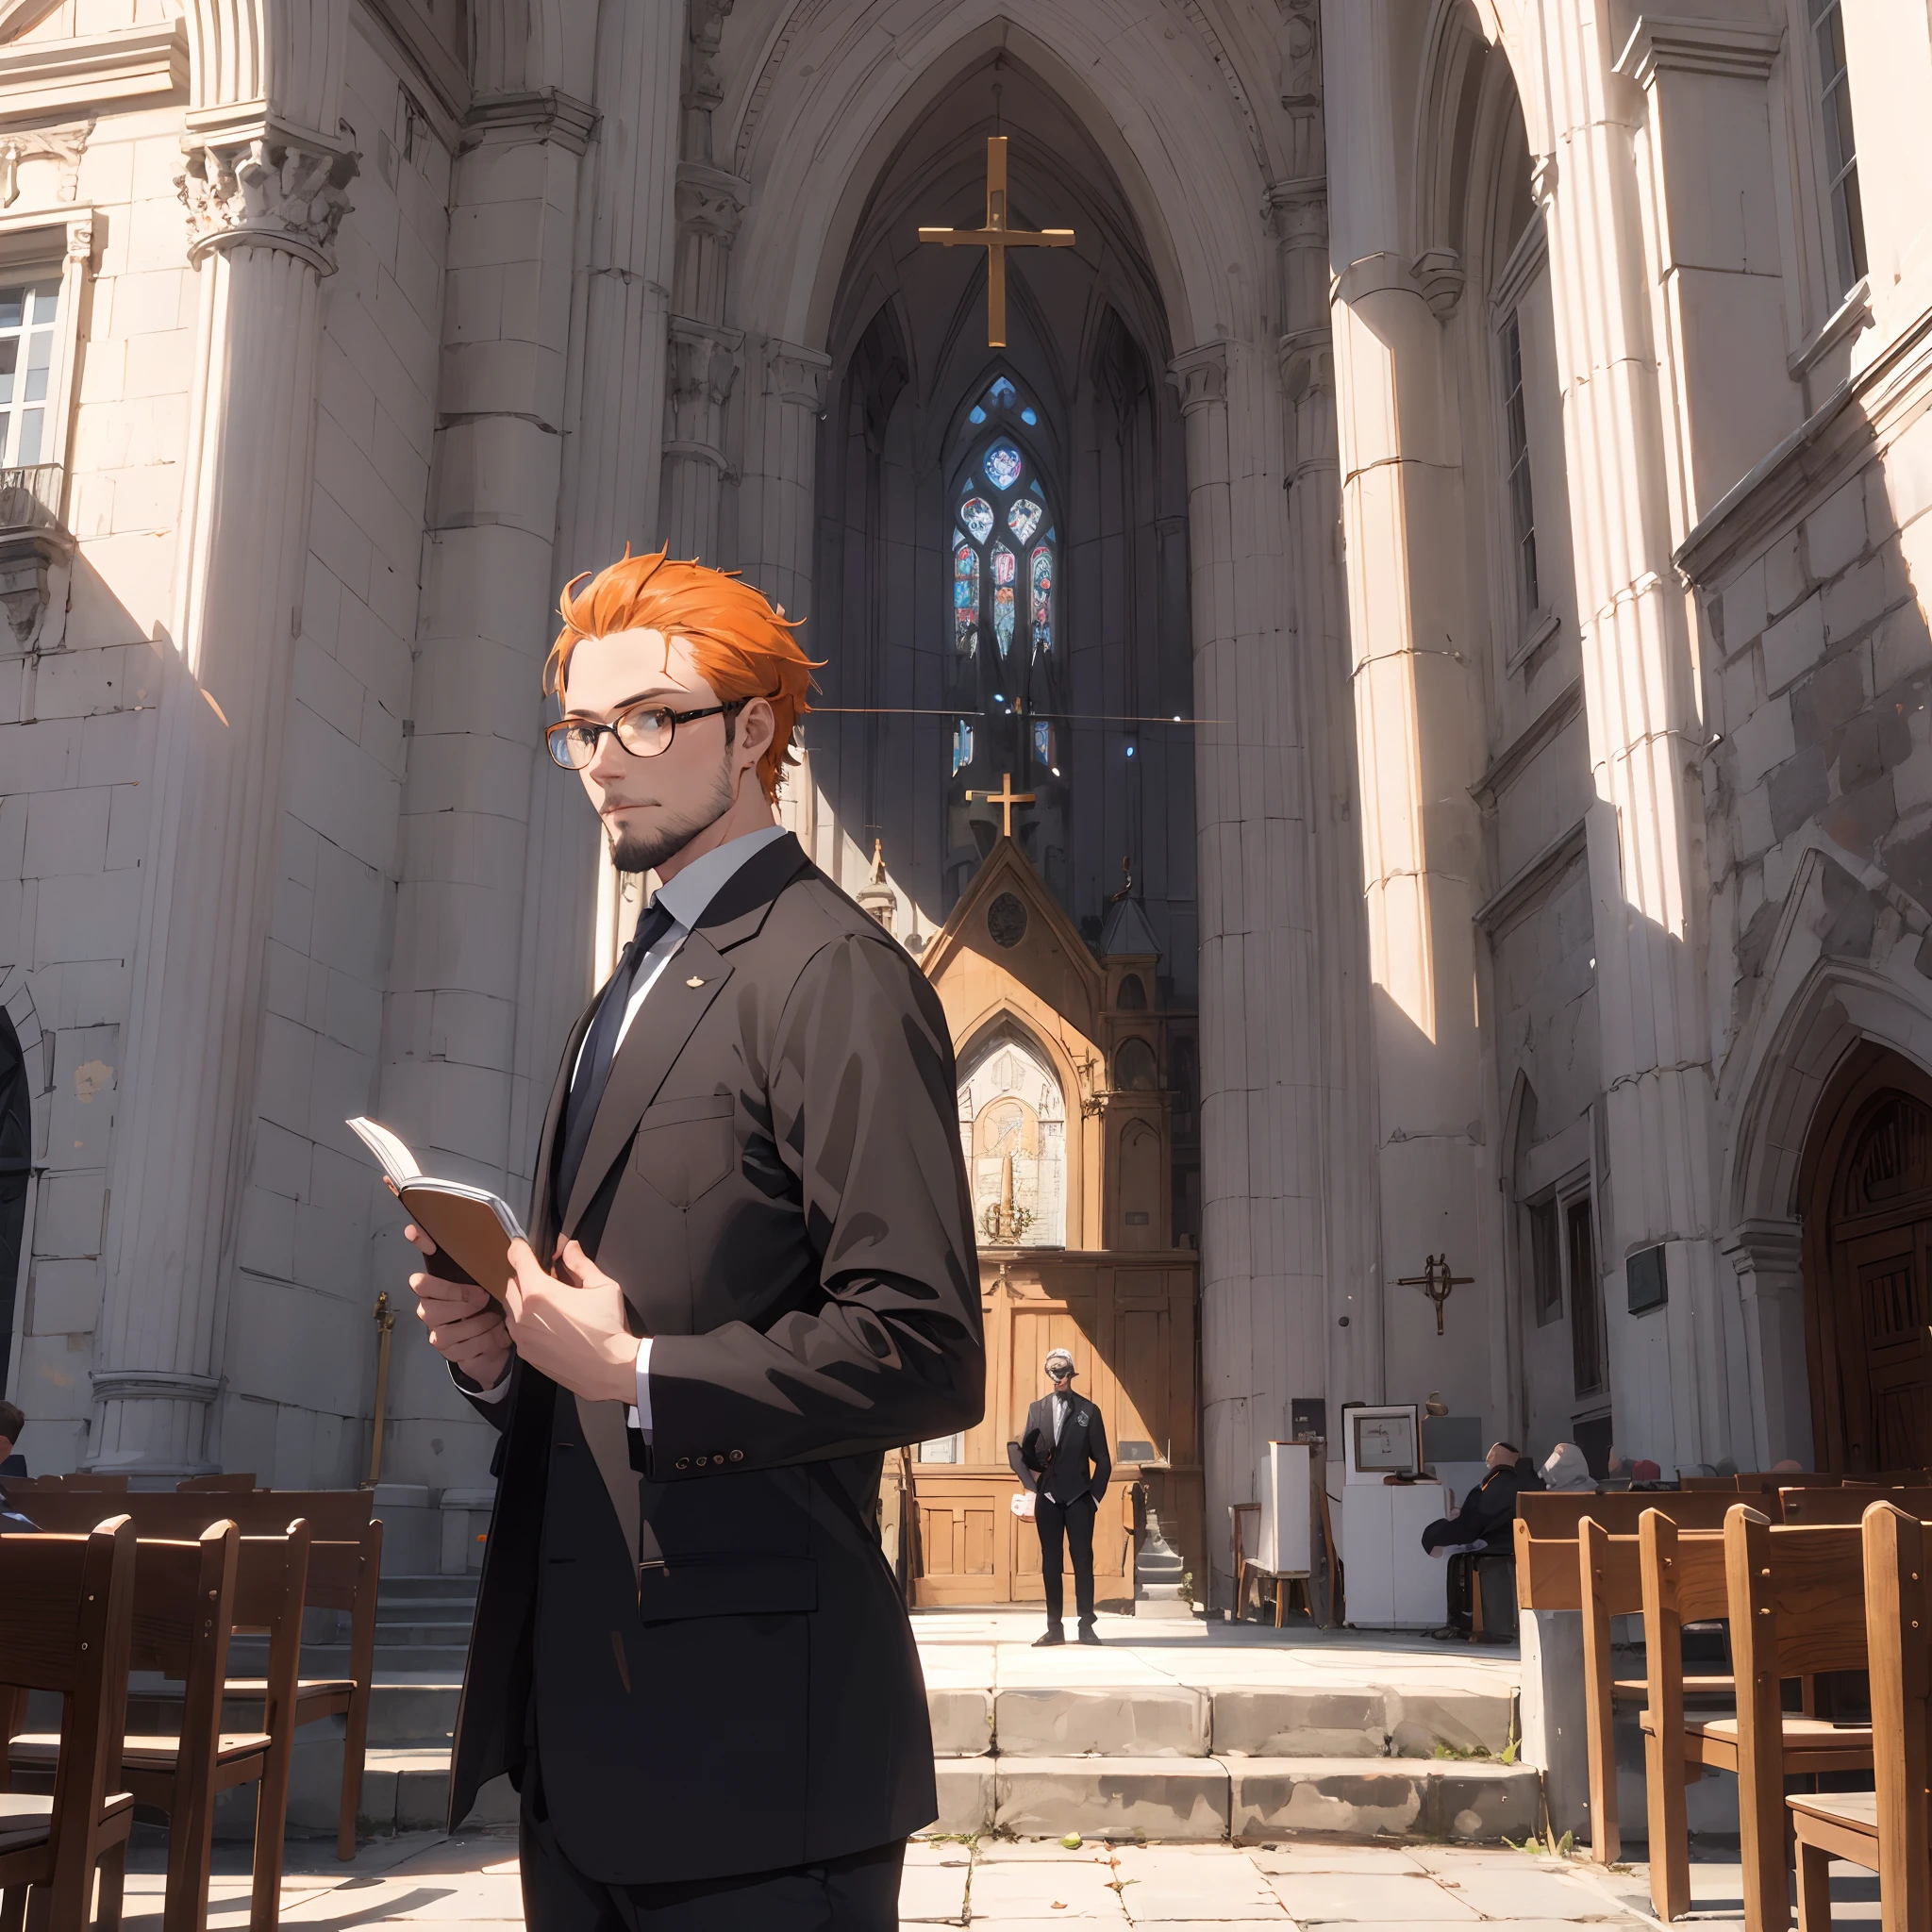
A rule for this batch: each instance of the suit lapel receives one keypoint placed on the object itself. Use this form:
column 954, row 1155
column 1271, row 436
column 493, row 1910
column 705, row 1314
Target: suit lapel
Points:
column 543, row 1207
column 671, row 1011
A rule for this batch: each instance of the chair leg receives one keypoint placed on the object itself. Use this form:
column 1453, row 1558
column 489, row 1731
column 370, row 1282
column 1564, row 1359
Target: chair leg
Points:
column 113, row 1885
column 354, row 1746
column 270, row 1822
column 1669, row 1842
column 1814, row 1888
column 13, row 1908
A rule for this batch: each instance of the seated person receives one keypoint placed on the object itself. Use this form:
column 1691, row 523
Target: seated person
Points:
column 11, row 1422
column 1480, row 1527
column 1568, row 1469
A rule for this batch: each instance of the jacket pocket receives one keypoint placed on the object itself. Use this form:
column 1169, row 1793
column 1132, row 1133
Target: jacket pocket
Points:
column 727, row 1586
column 684, row 1148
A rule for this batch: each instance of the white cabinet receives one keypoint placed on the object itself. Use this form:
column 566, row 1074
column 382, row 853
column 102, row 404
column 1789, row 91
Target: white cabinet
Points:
column 1281, row 1488
column 1390, row 1581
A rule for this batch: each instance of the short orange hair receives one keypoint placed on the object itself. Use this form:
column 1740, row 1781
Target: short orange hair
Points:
column 743, row 647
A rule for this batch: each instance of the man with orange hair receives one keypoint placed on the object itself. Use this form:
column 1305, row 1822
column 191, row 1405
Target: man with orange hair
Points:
column 751, row 1271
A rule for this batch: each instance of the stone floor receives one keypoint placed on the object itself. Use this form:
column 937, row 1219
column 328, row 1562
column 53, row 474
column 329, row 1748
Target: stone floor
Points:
column 448, row 1883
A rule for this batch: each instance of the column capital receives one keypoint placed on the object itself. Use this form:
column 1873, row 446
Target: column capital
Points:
column 704, row 360
column 1763, row 1248
column 1734, row 49
column 1439, row 274
column 264, row 188
column 796, row 375
column 62, row 145
column 711, row 201
column 1200, row 377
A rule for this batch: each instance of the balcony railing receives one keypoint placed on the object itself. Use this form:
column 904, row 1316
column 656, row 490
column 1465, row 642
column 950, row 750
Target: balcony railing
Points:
column 30, row 496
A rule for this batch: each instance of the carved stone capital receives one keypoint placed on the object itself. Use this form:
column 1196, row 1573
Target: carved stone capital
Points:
column 709, row 201
column 703, row 362
column 263, row 192
column 1200, row 377
column 1298, row 212
column 1306, row 358
column 63, row 146
column 1438, row 274
column 796, row 375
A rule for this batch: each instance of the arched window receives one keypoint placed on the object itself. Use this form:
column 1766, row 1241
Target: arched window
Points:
column 1008, row 674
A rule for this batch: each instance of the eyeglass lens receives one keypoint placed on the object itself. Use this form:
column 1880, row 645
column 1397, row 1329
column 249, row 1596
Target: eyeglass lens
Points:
column 645, row 733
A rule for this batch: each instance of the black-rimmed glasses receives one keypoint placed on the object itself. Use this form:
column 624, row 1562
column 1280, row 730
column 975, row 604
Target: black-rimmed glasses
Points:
column 645, row 730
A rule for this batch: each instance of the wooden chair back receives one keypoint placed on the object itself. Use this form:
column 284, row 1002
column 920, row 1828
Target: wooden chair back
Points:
column 1898, row 1622
column 1547, row 1526
column 80, row 1484
column 1845, row 1507
column 1797, row 1608
column 67, row 1626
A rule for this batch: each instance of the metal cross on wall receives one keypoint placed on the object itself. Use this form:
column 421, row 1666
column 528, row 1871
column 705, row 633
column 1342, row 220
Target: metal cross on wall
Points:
column 996, row 237
column 1435, row 1282
column 1006, row 798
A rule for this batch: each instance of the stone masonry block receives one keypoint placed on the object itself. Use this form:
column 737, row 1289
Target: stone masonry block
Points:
column 1860, row 819
column 67, row 832
column 1796, row 791
column 1753, row 833
column 1855, row 599
column 1112, row 1798
column 1785, row 580
column 1763, row 741
column 961, row 1723
column 1463, row 1720
column 1793, row 644
column 65, row 1297
column 1146, row 1721
column 1269, row 1796
column 1745, row 610
column 965, row 1794
column 1835, row 531
column 1300, row 1724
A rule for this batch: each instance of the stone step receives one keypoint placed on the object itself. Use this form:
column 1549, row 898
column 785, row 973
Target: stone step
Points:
column 443, row 1588
column 1209, row 1799
column 401, row 1634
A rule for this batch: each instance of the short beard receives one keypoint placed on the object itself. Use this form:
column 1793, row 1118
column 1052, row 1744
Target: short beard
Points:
column 634, row 852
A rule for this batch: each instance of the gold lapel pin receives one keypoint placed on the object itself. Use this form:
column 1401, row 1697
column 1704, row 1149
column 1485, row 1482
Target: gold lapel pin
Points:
column 694, row 980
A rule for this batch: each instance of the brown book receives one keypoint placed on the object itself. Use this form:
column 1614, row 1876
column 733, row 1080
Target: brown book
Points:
column 472, row 1228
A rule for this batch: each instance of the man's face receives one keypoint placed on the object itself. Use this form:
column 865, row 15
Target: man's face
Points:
column 652, row 808
column 5, row 1447
column 1500, row 1457
column 1062, row 1374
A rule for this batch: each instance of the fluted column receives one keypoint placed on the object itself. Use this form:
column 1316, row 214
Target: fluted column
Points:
column 263, row 207
column 1668, row 1370
column 776, row 527
column 703, row 372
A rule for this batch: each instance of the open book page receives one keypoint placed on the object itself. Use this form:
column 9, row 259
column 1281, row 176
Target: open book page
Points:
column 397, row 1161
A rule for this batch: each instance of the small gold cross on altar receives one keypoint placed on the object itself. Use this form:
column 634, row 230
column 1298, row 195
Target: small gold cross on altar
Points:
column 996, row 237
column 1435, row 1282
column 1006, row 798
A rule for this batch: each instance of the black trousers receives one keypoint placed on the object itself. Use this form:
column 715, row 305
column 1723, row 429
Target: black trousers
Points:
column 855, row 1893
column 1074, row 1522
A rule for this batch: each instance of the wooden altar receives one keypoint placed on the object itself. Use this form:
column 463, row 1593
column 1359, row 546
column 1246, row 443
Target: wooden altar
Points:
column 1065, row 1118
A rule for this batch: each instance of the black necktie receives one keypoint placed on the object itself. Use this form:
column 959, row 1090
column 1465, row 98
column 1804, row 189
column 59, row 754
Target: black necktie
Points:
column 600, row 1049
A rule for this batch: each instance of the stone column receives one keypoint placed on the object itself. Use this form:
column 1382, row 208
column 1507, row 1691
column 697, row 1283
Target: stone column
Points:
column 1419, row 742
column 703, row 369
column 776, row 529
column 1768, row 1258
column 1667, row 1371
column 1263, row 1323
column 263, row 205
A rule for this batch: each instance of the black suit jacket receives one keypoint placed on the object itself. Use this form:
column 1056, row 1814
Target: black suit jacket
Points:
column 774, row 1176
column 1487, row 1515
column 1077, row 1465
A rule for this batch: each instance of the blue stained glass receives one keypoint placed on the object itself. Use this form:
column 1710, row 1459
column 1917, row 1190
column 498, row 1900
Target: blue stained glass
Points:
column 1042, row 599
column 1043, row 746
column 1027, row 417
column 1002, row 395
column 962, row 746
column 977, row 514
column 1023, row 518
column 1005, row 568
column 1003, row 465
column 977, row 414
column 965, row 599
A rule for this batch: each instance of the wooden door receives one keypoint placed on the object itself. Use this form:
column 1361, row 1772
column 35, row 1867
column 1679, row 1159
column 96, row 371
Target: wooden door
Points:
column 1867, row 1186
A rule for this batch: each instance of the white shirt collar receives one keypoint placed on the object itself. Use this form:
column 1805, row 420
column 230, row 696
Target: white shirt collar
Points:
column 687, row 896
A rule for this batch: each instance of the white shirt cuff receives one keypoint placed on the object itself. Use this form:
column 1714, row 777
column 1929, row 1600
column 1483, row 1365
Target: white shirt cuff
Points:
column 495, row 1394
column 639, row 1418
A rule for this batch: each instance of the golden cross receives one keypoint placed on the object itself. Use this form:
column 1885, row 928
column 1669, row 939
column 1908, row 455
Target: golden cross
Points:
column 1006, row 798
column 1435, row 1282
column 996, row 237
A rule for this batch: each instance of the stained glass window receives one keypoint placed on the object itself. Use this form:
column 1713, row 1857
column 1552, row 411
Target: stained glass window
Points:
column 1043, row 746
column 1027, row 417
column 1042, row 598
column 1003, row 465
column 977, row 415
column 962, row 746
column 965, row 598
column 1004, row 568
column 1023, row 518
column 1002, row 395
column 977, row 514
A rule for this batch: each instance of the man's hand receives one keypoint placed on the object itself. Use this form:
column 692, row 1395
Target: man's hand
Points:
column 573, row 1329
column 465, row 1327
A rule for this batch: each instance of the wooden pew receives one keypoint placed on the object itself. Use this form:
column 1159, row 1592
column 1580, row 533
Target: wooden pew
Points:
column 1686, row 1580
column 182, row 1771
column 67, row 1625
column 1886, row 1830
column 344, row 1571
column 1844, row 1508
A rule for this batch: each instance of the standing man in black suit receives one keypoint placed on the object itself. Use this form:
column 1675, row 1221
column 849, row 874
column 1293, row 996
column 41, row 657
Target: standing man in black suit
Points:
column 1063, row 1458
column 751, row 1271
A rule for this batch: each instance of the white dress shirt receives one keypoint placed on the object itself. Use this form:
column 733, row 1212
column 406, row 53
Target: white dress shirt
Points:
column 685, row 898
column 1060, row 1412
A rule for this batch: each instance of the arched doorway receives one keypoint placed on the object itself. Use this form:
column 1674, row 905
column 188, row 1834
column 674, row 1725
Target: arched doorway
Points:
column 1865, row 1187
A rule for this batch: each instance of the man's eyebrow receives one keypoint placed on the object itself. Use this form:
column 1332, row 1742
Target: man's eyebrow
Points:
column 660, row 690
